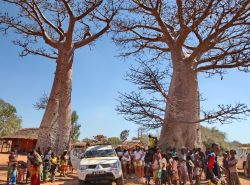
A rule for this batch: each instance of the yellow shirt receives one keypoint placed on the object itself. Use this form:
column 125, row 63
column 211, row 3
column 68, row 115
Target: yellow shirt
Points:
column 151, row 142
column 54, row 160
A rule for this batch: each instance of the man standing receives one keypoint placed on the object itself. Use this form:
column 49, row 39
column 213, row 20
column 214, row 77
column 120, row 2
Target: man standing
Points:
column 213, row 165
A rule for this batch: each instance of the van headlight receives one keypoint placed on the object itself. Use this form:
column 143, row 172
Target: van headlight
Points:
column 83, row 167
column 114, row 165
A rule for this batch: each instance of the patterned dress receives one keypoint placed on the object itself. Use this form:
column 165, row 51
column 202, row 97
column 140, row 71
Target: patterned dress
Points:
column 234, row 178
column 35, row 169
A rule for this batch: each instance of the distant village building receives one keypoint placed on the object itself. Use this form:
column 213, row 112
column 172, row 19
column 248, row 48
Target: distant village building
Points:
column 23, row 140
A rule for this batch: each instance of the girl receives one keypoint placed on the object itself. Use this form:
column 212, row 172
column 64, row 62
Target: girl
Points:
column 46, row 168
column 12, row 161
column 64, row 163
column 163, row 165
column 234, row 178
column 190, row 167
column 28, row 167
column 54, row 166
column 148, row 164
column 175, row 176
column 13, row 174
column 225, row 166
column 197, row 168
column 183, row 167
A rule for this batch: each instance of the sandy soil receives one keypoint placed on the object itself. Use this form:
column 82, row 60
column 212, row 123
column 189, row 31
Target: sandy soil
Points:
column 71, row 179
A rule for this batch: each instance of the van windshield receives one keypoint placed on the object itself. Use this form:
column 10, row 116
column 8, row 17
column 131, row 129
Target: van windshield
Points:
column 99, row 153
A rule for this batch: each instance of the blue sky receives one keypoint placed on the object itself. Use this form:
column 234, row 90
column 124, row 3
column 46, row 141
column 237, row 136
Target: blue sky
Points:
column 97, row 77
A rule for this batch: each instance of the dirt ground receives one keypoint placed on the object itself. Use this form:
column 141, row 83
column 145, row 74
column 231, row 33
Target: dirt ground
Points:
column 71, row 179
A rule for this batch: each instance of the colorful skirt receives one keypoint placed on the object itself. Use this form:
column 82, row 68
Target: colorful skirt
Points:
column 234, row 178
column 35, row 175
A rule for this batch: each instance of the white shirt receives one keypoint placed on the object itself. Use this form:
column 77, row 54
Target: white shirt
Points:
column 138, row 155
column 126, row 156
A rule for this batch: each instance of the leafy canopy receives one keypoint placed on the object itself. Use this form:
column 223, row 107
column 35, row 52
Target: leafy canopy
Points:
column 10, row 122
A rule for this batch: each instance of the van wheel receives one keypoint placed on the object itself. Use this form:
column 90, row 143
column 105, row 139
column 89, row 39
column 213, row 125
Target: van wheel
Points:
column 120, row 181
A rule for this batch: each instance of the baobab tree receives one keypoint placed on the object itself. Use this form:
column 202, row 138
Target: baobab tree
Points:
column 205, row 36
column 145, row 106
column 59, row 27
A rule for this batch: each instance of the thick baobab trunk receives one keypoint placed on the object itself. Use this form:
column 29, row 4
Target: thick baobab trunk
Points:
column 64, row 110
column 48, row 126
column 55, row 125
column 183, row 108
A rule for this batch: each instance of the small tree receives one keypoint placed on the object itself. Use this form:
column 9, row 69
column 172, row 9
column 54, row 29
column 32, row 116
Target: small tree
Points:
column 10, row 122
column 205, row 36
column 60, row 27
column 115, row 141
column 124, row 135
column 75, row 127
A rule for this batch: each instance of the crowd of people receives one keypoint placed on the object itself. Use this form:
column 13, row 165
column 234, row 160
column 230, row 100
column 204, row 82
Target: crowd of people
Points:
column 172, row 167
column 39, row 167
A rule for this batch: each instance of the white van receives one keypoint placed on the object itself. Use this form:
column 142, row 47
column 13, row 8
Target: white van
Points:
column 100, row 163
column 241, row 156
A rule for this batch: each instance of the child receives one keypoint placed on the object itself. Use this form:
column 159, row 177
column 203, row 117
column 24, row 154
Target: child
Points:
column 54, row 166
column 28, row 167
column 175, row 175
column 225, row 166
column 197, row 168
column 183, row 166
column 148, row 164
column 234, row 178
column 64, row 163
column 190, row 168
column 21, row 171
column 13, row 174
column 46, row 168
column 163, row 165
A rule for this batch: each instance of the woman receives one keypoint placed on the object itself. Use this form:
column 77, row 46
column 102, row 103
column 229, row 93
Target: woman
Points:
column 138, row 161
column 155, row 167
column 35, row 168
column 64, row 163
column 125, row 162
column 234, row 178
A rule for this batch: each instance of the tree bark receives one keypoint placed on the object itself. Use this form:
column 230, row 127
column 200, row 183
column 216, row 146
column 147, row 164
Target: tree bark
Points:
column 48, row 127
column 64, row 110
column 55, row 125
column 183, row 108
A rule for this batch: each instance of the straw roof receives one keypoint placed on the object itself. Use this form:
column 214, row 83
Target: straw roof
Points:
column 26, row 133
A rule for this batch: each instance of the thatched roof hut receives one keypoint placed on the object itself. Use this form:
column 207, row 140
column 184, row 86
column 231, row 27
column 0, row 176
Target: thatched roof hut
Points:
column 25, row 133
column 23, row 140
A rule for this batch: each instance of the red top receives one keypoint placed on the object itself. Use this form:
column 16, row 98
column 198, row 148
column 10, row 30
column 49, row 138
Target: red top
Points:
column 211, row 161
